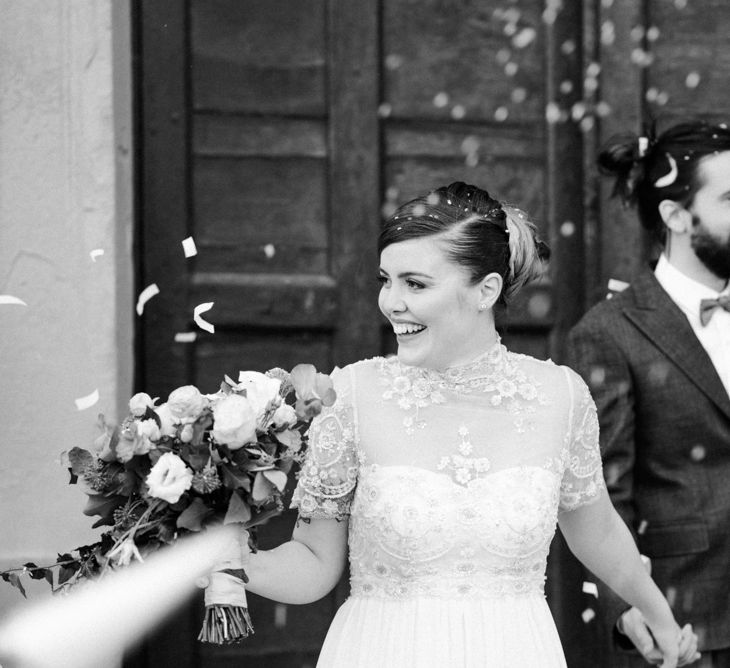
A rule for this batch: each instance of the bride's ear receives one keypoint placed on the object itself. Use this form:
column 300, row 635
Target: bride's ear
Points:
column 490, row 288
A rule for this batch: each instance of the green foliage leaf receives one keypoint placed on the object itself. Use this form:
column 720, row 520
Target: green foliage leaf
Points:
column 34, row 572
column 277, row 478
column 238, row 510
column 80, row 460
column 262, row 488
column 291, row 438
column 98, row 504
column 14, row 580
column 193, row 516
column 236, row 479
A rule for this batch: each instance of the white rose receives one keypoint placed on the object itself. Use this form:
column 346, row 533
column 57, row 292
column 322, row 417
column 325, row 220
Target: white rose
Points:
column 167, row 420
column 147, row 433
column 169, row 478
column 139, row 404
column 285, row 416
column 186, row 403
column 234, row 421
column 260, row 389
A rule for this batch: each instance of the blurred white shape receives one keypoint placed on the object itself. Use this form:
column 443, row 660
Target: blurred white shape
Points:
column 472, row 160
column 578, row 110
column 186, row 337
column 97, row 252
column 552, row 112
column 637, row 33
column 503, row 56
column 641, row 58
column 614, row 285
column 603, row 109
column 670, row 177
column 524, row 38
column 566, row 86
column 698, row 453
column 440, row 100
column 95, row 624
column 651, row 94
column 590, row 588
column 593, row 69
column 9, row 299
column 567, row 229
column 501, row 114
column 597, row 376
column 144, row 296
column 393, row 61
column 642, row 527
column 458, row 111
column 509, row 29
column 82, row 403
column 662, row 98
column 692, row 80
column 419, row 210
column 608, row 33
column 510, row 69
column 588, row 614
column 518, row 95
column 432, row 199
column 607, row 4
column 189, row 247
column 203, row 324
column 653, row 34
column 680, row 4
column 567, row 47
column 590, row 85
column 385, row 110
column 470, row 144
column 269, row 251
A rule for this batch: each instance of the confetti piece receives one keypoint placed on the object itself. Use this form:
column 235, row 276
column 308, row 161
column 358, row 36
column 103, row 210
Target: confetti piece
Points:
column 458, row 111
column 642, row 527
column 82, row 403
column 518, row 95
column 269, row 250
column 653, row 34
column 692, row 80
column 189, row 247
column 698, row 453
column 590, row 588
column 524, row 38
column 9, row 299
column 510, row 69
column 97, row 252
column 552, row 112
column 588, row 614
column 500, row 114
column 385, row 110
column 440, row 100
column 144, row 296
column 185, row 337
column 614, row 285
column 393, row 61
column 597, row 376
column 202, row 308
column 669, row 178
column 567, row 229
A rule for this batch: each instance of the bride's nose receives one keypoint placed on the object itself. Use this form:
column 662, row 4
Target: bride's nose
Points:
column 392, row 301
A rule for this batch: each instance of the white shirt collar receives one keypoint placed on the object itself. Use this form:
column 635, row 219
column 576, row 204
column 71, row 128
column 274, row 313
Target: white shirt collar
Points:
column 684, row 291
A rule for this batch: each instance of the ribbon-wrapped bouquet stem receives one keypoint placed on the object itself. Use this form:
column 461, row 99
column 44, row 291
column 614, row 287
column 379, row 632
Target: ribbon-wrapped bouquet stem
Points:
column 194, row 461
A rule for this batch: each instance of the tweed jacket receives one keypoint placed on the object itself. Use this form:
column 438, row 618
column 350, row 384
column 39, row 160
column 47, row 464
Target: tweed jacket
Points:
column 665, row 440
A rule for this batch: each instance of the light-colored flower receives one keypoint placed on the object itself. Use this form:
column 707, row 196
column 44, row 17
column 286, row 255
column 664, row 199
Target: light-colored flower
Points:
column 285, row 416
column 139, row 404
column 169, row 478
column 147, row 433
column 234, row 421
column 186, row 403
column 168, row 421
column 401, row 384
column 260, row 389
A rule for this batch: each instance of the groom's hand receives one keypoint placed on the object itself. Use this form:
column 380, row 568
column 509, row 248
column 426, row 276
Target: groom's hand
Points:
column 632, row 625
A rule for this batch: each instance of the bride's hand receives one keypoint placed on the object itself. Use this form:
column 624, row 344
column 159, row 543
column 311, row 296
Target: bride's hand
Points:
column 688, row 646
column 678, row 647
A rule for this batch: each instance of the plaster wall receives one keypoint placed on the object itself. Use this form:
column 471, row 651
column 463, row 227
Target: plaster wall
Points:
column 65, row 190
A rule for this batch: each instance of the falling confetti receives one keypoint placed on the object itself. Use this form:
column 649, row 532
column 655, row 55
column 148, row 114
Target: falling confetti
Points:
column 642, row 527
column 432, row 199
column 202, row 308
column 9, row 299
column 269, row 251
column 419, row 210
column 552, row 112
column 385, row 110
column 588, row 614
column 698, row 453
column 680, row 4
column 185, row 337
column 671, row 596
column 568, row 47
column 662, row 98
column 692, row 80
column 598, row 376
column 637, row 33
column 608, row 33
column 641, row 58
column 518, row 95
column 578, row 110
column 440, row 100
column 603, row 109
column 652, row 94
column 503, row 56
column 144, row 296
column 653, row 34
column 614, row 285
column 469, row 145
column 567, row 229
column 510, row 69
column 670, row 177
column 524, row 38
column 590, row 588
column 607, row 4
column 393, row 61
column 189, row 247
column 566, row 86
column 97, row 252
column 458, row 111
column 82, row 403
column 501, row 114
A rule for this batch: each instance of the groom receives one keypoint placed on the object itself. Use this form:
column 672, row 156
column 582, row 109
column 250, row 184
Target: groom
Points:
column 657, row 360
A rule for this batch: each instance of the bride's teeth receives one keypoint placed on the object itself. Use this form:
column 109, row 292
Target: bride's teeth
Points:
column 403, row 328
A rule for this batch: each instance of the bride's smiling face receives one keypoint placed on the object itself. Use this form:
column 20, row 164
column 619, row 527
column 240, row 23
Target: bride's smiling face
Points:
column 433, row 308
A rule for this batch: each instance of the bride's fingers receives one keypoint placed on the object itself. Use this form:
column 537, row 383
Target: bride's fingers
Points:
column 687, row 646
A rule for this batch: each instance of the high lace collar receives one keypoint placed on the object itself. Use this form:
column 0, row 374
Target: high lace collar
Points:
column 492, row 361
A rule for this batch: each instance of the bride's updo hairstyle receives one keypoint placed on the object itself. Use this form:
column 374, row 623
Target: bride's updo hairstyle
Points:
column 480, row 234
column 652, row 168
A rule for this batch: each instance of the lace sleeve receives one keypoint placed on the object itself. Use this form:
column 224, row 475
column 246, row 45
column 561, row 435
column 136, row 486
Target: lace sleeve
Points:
column 582, row 472
column 329, row 472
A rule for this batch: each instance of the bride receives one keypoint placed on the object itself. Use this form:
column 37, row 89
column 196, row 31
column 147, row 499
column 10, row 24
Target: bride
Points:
column 441, row 474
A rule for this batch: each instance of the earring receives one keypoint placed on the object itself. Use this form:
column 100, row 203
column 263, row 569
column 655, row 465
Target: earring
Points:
column 482, row 307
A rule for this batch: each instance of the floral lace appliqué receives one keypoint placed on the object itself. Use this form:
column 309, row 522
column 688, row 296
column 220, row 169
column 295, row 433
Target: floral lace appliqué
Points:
column 465, row 468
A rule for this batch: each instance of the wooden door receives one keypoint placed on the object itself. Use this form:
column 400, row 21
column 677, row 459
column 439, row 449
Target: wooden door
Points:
column 277, row 132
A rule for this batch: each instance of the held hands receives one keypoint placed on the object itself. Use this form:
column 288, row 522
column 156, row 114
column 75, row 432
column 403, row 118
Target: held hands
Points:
column 666, row 645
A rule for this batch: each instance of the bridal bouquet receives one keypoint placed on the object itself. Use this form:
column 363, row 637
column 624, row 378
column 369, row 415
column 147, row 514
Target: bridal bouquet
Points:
column 195, row 460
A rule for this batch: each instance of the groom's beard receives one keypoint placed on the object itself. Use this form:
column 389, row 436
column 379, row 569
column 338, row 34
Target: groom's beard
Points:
column 710, row 250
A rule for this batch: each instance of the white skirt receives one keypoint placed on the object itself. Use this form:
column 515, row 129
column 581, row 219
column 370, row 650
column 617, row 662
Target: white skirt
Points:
column 507, row 632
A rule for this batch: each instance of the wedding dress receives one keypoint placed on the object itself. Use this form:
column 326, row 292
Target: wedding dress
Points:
column 452, row 483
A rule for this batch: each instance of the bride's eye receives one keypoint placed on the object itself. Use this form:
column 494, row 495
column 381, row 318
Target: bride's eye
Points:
column 383, row 280
column 414, row 284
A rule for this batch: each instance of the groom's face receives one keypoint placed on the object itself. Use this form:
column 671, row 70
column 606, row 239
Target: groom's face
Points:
column 711, row 214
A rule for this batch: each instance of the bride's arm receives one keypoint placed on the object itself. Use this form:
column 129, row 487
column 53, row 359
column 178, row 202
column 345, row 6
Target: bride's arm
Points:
column 303, row 569
column 600, row 539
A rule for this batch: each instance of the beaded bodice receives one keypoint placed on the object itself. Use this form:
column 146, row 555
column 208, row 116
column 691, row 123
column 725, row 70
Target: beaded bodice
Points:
column 452, row 481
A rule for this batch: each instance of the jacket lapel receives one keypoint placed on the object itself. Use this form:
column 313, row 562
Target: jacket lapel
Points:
column 661, row 320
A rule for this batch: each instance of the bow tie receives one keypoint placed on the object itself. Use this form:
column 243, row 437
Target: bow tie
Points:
column 708, row 306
